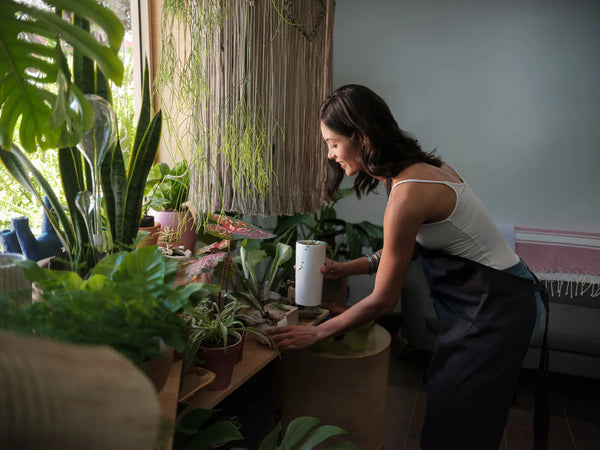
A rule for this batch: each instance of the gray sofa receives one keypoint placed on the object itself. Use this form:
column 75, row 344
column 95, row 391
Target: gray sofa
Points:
column 573, row 331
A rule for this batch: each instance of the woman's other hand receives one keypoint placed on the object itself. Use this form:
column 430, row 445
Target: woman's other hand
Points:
column 333, row 270
column 294, row 337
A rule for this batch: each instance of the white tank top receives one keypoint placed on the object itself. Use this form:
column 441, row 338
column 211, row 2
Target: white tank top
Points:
column 467, row 232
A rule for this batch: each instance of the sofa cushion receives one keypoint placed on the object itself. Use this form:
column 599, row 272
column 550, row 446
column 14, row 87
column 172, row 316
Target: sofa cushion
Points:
column 571, row 329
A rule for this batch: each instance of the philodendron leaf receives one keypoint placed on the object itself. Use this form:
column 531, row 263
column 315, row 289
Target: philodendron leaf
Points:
column 297, row 431
column 214, row 435
column 321, row 434
column 270, row 441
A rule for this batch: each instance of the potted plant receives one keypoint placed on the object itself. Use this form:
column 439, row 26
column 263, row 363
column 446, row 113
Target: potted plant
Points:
column 255, row 293
column 166, row 192
column 215, row 338
column 267, row 307
column 168, row 240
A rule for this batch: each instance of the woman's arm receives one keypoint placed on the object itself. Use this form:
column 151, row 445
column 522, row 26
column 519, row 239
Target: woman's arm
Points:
column 402, row 220
column 342, row 269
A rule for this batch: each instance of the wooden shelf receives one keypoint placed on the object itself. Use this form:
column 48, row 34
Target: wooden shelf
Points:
column 256, row 356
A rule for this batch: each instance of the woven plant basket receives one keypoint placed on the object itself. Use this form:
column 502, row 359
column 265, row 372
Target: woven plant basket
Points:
column 61, row 396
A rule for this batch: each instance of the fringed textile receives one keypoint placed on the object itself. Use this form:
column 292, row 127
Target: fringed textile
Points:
column 568, row 261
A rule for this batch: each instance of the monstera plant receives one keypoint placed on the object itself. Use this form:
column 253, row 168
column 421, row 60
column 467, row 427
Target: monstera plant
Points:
column 123, row 183
column 36, row 88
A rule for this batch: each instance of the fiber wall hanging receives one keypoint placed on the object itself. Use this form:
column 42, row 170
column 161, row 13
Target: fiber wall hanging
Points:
column 241, row 83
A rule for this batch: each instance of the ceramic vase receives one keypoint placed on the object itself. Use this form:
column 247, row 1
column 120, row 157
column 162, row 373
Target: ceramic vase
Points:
column 182, row 221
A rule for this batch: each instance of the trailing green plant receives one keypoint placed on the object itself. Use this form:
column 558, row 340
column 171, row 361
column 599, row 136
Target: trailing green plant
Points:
column 128, row 303
column 167, row 188
column 230, row 128
column 35, row 82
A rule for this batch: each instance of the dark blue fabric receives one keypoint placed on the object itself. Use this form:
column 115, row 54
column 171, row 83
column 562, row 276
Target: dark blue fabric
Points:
column 486, row 320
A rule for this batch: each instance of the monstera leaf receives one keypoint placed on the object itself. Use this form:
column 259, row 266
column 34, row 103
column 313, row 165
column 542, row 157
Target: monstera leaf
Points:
column 36, row 91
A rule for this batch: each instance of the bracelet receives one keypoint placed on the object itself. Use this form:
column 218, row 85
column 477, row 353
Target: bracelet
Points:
column 371, row 267
column 376, row 258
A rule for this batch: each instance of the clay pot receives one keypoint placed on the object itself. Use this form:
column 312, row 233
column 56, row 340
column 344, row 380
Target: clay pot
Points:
column 181, row 221
column 152, row 237
column 158, row 368
column 220, row 361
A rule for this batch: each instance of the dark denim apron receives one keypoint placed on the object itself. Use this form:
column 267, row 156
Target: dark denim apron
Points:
column 486, row 318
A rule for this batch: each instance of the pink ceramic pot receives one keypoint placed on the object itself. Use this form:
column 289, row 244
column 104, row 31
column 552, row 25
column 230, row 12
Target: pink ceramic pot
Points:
column 179, row 220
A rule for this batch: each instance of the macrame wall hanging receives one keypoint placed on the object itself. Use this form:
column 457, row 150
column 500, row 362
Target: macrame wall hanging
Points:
column 241, row 83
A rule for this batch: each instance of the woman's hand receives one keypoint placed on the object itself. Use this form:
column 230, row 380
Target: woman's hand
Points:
column 294, row 337
column 333, row 270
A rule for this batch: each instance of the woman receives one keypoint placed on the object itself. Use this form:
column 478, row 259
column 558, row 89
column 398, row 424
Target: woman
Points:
column 483, row 294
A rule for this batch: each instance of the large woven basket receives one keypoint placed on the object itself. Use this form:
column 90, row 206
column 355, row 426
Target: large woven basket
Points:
column 61, row 396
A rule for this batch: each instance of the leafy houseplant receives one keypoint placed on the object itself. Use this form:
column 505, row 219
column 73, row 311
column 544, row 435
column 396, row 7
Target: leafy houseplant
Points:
column 218, row 254
column 166, row 192
column 345, row 239
column 128, row 303
column 200, row 429
column 35, row 79
column 215, row 337
column 167, row 188
column 304, row 433
column 257, row 291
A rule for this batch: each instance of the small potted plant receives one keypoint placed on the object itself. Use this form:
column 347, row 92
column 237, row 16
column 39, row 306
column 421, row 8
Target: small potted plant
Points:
column 166, row 193
column 168, row 240
column 267, row 307
column 215, row 338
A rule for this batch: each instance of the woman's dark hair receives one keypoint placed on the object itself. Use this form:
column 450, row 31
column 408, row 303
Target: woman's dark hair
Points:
column 358, row 113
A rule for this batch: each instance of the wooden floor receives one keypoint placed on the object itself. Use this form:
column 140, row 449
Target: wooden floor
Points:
column 574, row 408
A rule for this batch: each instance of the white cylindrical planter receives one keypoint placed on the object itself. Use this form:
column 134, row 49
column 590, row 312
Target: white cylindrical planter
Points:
column 310, row 257
column 12, row 278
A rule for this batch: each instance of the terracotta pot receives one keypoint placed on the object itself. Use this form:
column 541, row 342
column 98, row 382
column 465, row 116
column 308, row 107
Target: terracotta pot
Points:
column 220, row 361
column 157, row 369
column 179, row 220
column 240, row 353
column 152, row 237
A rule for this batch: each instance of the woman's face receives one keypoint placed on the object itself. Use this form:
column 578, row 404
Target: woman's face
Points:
column 342, row 150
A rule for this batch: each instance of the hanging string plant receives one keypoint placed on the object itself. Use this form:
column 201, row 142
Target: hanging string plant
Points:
column 241, row 83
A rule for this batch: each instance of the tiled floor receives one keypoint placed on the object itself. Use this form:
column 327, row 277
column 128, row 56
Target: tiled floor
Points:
column 574, row 409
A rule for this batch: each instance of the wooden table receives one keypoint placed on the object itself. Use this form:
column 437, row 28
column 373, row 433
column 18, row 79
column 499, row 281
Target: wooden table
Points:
column 256, row 356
